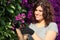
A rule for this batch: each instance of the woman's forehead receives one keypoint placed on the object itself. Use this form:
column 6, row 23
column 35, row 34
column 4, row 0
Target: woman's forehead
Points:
column 39, row 8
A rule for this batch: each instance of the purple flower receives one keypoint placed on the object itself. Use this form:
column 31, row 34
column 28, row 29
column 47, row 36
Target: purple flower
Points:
column 57, row 8
column 18, row 17
column 8, row 1
column 22, row 21
column 29, row 6
column 29, row 14
column 13, row 28
column 58, row 2
column 23, row 15
column 24, row 1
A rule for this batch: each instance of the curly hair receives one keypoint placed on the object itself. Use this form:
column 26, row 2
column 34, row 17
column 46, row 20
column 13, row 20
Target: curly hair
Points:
column 47, row 11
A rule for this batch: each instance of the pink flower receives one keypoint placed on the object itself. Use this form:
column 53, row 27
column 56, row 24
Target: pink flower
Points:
column 13, row 28
column 22, row 21
column 23, row 15
column 29, row 14
column 18, row 17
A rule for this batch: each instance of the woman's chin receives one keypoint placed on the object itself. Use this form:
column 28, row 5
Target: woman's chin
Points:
column 37, row 19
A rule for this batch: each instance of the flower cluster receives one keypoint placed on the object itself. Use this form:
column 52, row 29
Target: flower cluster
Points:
column 19, row 21
column 14, row 20
column 20, row 17
column 21, row 24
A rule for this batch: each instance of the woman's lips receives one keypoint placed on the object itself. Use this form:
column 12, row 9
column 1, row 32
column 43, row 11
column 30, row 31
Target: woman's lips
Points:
column 38, row 16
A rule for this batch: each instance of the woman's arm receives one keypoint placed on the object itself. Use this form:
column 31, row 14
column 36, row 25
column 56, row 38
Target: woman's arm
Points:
column 52, row 31
column 51, row 35
column 35, row 37
column 20, row 36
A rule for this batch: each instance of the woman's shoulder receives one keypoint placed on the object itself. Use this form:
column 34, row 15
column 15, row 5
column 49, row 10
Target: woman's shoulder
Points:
column 53, row 26
column 31, row 25
column 53, row 23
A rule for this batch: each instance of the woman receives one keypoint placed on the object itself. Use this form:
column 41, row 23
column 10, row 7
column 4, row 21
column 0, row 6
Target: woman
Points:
column 43, row 24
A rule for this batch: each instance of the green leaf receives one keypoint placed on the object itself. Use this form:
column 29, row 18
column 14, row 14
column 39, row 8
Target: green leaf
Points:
column 9, row 25
column 12, row 6
column 2, row 22
column 19, row 1
column 2, row 9
column 1, row 37
column 23, row 10
column 16, row 12
column 10, row 10
column 6, row 34
column 19, row 7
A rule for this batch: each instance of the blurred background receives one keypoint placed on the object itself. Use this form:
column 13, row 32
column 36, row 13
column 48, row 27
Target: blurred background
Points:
column 10, row 8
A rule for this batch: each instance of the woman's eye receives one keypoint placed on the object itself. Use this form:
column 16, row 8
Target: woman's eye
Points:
column 40, row 10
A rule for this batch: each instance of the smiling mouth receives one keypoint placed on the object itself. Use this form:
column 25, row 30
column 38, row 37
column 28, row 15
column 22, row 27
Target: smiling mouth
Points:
column 38, row 15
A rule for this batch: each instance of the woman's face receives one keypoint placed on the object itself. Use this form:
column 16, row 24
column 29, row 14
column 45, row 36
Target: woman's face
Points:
column 39, row 13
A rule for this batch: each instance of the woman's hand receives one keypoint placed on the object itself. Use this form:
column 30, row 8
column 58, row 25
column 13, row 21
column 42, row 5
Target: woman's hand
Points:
column 36, row 37
column 20, row 36
column 25, row 36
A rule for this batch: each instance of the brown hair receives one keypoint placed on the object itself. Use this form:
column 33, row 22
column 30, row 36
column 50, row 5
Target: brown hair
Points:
column 47, row 11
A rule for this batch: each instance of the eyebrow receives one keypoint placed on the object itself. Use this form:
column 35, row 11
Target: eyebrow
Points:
column 39, row 10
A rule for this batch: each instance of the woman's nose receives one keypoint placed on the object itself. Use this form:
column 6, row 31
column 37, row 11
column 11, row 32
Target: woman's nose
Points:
column 36, row 12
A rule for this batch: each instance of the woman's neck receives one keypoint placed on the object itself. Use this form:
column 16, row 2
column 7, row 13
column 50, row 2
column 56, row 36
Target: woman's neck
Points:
column 41, row 23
